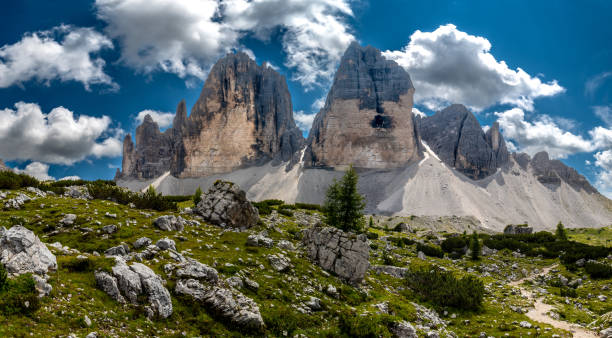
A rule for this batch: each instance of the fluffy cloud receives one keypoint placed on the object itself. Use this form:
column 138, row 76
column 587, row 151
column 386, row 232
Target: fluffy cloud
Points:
column 164, row 120
column 186, row 37
column 26, row 133
column 451, row 66
column 70, row 178
column 37, row 170
column 62, row 53
column 417, row 112
column 603, row 160
column 602, row 137
column 604, row 113
column 303, row 120
column 541, row 134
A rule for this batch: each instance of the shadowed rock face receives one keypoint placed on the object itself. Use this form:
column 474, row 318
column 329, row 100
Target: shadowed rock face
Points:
column 552, row 172
column 455, row 135
column 367, row 119
column 243, row 116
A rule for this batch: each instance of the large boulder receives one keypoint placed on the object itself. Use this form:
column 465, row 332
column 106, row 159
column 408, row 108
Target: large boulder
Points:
column 225, row 204
column 342, row 253
column 132, row 281
column 517, row 229
column 227, row 303
column 22, row 252
column 77, row 191
column 170, row 223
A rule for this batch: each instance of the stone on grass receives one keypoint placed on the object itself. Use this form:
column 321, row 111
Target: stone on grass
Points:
column 225, row 204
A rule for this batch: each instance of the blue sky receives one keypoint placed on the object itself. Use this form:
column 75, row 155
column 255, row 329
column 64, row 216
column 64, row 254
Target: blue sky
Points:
column 543, row 71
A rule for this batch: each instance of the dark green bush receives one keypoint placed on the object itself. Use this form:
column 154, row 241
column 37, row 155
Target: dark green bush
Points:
column 352, row 296
column 442, row 288
column 371, row 235
column 197, row 196
column 568, row 292
column 454, row 244
column 19, row 296
column 598, row 270
column 308, row 206
column 371, row 325
column 285, row 212
column 11, row 180
column 147, row 200
column 430, row 250
column 401, row 242
column 282, row 318
column 3, row 277
column 263, row 208
column 177, row 198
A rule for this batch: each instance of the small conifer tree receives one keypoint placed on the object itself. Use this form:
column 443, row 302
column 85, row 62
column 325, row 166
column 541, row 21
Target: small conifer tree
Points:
column 561, row 234
column 475, row 246
column 197, row 196
column 343, row 204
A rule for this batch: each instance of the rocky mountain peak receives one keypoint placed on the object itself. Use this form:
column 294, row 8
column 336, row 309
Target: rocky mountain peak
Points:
column 552, row 172
column 456, row 136
column 3, row 166
column 367, row 118
column 243, row 116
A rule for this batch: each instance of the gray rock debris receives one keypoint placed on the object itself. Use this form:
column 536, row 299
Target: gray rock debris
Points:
column 225, row 302
column 225, row 204
column 109, row 229
column 196, row 270
column 279, row 262
column 403, row 329
column 68, row 219
column 165, row 244
column 75, row 191
column 345, row 254
column 142, row 242
column 119, row 250
column 21, row 251
column 517, row 229
column 170, row 223
column 132, row 281
column 259, row 240
column 390, row 270
column 16, row 202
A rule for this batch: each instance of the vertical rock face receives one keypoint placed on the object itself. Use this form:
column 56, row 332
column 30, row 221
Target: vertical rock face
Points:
column 243, row 116
column 455, row 135
column 552, row 172
column 367, row 119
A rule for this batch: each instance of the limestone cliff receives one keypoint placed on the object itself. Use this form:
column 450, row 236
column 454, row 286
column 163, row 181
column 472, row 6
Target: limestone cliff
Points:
column 455, row 135
column 367, row 119
column 553, row 172
column 243, row 116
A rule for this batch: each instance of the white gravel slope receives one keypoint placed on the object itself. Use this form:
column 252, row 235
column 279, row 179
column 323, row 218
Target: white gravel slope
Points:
column 428, row 188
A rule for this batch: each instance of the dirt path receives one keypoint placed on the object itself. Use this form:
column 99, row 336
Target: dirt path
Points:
column 540, row 309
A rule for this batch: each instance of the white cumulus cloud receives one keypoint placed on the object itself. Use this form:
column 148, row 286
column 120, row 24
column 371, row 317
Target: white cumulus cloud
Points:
column 417, row 112
column 303, row 120
column 603, row 160
column 604, row 113
column 70, row 178
column 26, row 133
column 37, row 170
column 163, row 119
column 451, row 66
column 186, row 37
column 541, row 134
column 63, row 53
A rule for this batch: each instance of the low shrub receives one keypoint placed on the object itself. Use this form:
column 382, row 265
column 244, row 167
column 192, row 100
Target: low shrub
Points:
column 285, row 212
column 371, row 235
column 19, row 296
column 361, row 325
column 11, row 180
column 308, row 206
column 177, row 198
column 430, row 250
column 3, row 277
column 147, row 200
column 454, row 244
column 352, row 296
column 284, row 320
column 568, row 292
column 401, row 242
column 442, row 288
column 598, row 270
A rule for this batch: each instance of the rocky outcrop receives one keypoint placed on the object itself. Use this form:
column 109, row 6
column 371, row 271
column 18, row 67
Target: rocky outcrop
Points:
column 367, row 119
column 244, row 116
column 133, row 281
column 456, row 136
column 344, row 254
column 226, row 303
column 22, row 252
column 170, row 223
column 225, row 204
column 512, row 229
column 552, row 172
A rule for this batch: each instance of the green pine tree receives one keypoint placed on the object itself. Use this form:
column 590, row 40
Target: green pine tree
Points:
column 197, row 197
column 475, row 246
column 371, row 222
column 343, row 204
column 561, row 234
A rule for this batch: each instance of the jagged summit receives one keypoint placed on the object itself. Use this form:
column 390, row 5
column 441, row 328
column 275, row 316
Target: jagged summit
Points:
column 553, row 172
column 456, row 136
column 367, row 119
column 243, row 116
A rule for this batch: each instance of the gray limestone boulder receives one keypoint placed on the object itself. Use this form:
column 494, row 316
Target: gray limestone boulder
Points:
column 76, row 191
column 195, row 270
column 512, row 229
column 259, row 240
column 403, row 329
column 170, row 223
column 225, row 204
column 165, row 244
column 342, row 253
column 142, row 242
column 227, row 303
